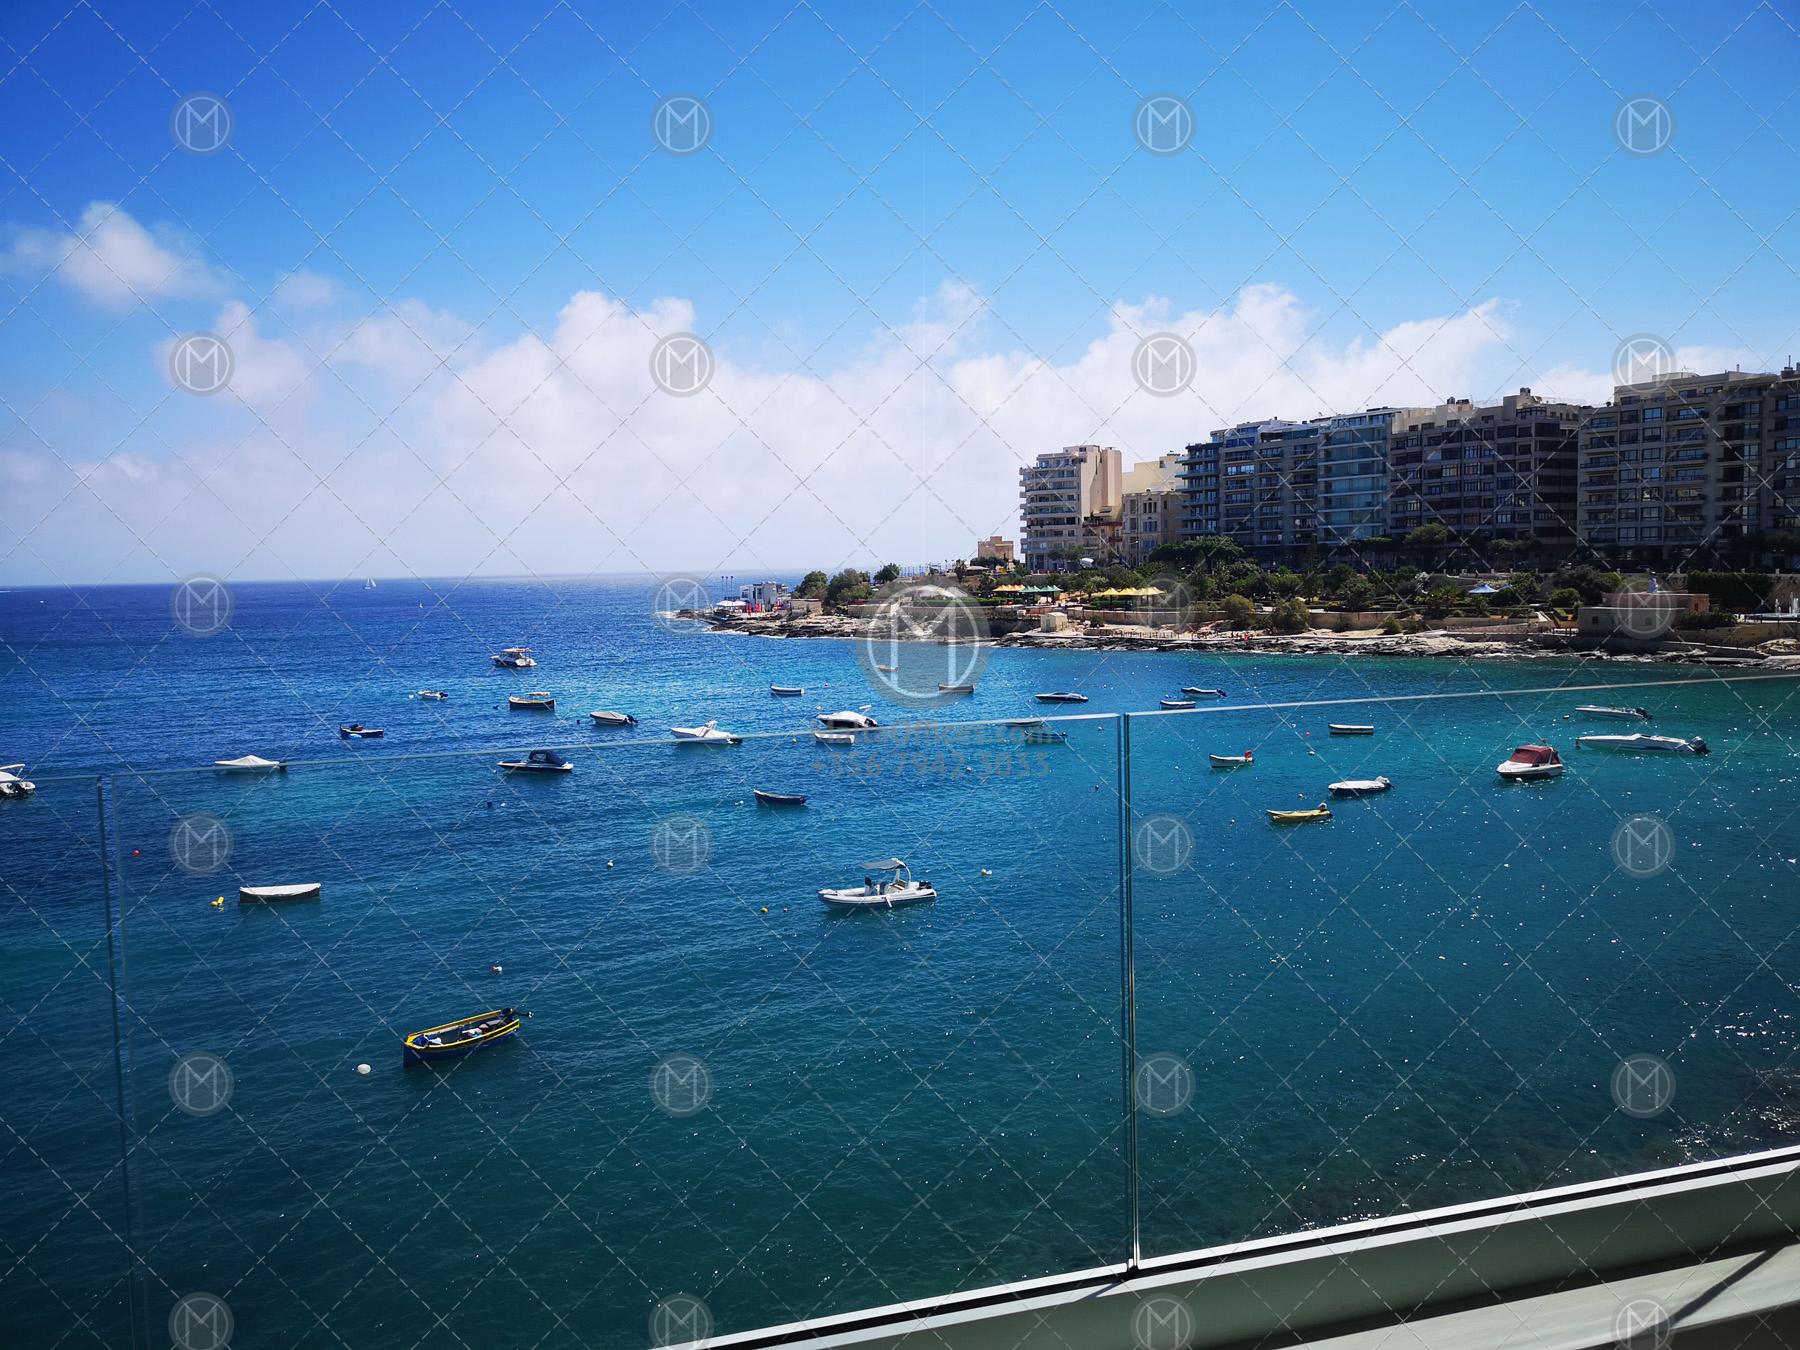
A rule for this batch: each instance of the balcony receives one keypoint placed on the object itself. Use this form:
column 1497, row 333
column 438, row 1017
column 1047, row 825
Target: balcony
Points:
column 1144, row 1046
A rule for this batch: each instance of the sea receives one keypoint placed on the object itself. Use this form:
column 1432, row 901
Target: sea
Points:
column 730, row 1106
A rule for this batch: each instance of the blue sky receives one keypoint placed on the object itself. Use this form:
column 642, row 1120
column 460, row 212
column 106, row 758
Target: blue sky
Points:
column 965, row 170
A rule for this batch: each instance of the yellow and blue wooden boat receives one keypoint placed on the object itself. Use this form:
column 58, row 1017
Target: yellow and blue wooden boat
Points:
column 1319, row 812
column 463, row 1035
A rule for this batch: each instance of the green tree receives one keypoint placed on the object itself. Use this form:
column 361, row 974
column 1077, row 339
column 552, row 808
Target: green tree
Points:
column 891, row 572
column 1565, row 598
column 1440, row 600
column 847, row 587
column 1427, row 536
column 1290, row 616
column 813, row 586
column 1239, row 612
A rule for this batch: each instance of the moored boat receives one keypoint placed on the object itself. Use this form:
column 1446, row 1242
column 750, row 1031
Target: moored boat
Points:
column 1232, row 761
column 1350, row 729
column 847, row 720
column 786, row 690
column 1177, row 704
column 834, row 738
column 1035, row 736
column 515, row 658
column 250, row 764
column 1024, row 723
column 432, row 695
column 956, row 688
column 356, row 731
column 461, row 1036
column 779, row 798
column 1192, row 692
column 279, row 895
column 538, row 699
column 873, row 894
column 1319, row 812
column 1061, row 696
column 11, row 784
column 1360, row 787
column 1629, row 714
column 1639, row 743
column 538, row 761
column 1531, row 761
column 707, row 733
column 613, row 719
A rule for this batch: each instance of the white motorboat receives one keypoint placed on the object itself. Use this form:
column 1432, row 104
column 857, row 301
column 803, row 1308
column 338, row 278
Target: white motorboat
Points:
column 1024, row 723
column 873, row 894
column 539, row 699
column 1360, row 787
column 1177, row 704
column 250, row 764
column 276, row 895
column 432, row 695
column 613, row 719
column 515, row 658
column 834, row 738
column 786, row 690
column 11, row 785
column 538, row 761
column 956, row 688
column 1640, row 743
column 1193, row 692
column 1350, row 729
column 847, row 721
column 1627, row 714
column 356, row 731
column 1531, row 761
column 707, row 733
column 1232, row 761
column 1060, row 696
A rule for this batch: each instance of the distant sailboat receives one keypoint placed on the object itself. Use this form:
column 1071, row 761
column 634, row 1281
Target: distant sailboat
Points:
column 369, row 584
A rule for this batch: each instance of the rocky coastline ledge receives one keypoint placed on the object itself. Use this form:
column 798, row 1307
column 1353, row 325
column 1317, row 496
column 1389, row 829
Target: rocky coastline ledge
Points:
column 1473, row 646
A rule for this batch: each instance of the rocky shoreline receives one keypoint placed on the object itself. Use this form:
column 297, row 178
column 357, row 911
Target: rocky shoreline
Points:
column 1438, row 643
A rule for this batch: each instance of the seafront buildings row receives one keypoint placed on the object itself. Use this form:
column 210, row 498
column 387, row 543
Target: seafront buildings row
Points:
column 1668, row 466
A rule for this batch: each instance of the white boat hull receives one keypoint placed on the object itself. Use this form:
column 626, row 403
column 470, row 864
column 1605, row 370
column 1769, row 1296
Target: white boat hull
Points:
column 1518, row 773
column 274, row 895
column 892, row 897
column 1641, row 745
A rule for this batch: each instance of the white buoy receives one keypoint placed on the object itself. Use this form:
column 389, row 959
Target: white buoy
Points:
column 362, row 1069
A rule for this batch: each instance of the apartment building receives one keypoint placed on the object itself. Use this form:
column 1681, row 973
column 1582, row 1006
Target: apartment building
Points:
column 994, row 549
column 1202, row 476
column 1505, row 470
column 1351, row 494
column 1150, row 507
column 1689, row 462
column 1069, row 503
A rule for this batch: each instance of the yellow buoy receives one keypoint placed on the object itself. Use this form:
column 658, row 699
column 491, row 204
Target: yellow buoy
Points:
column 219, row 903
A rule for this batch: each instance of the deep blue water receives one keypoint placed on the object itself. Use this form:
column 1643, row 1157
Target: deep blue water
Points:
column 1420, row 1001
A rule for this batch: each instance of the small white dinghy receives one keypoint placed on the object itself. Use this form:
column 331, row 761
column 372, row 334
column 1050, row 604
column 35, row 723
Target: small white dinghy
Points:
column 1177, row 704
column 538, row 761
column 1640, row 743
column 11, row 784
column 707, row 733
column 603, row 718
column 1350, row 728
column 250, row 764
column 1626, row 714
column 1232, row 761
column 1360, row 787
column 279, row 895
column 847, row 721
column 834, row 738
column 873, row 894
column 1193, row 692
column 432, row 695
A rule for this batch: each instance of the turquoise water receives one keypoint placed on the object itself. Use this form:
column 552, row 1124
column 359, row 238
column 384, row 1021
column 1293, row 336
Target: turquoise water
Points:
column 1420, row 1001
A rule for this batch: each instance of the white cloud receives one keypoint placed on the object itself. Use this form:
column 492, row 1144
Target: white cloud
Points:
column 306, row 290
column 556, row 453
column 112, row 260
